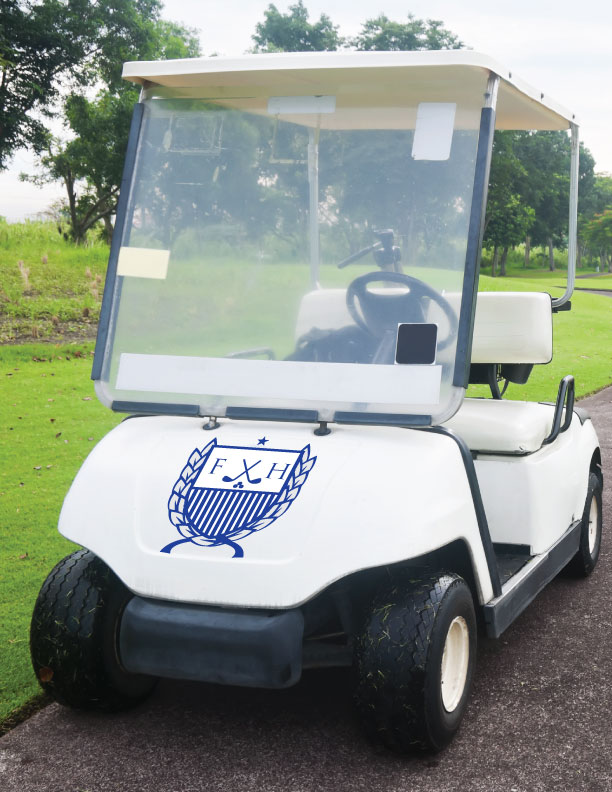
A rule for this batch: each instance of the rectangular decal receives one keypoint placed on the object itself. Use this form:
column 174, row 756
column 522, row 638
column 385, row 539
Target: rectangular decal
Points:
column 416, row 344
column 433, row 134
column 298, row 105
column 265, row 469
column 143, row 263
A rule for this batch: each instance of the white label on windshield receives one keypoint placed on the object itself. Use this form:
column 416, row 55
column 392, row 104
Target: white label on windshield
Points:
column 433, row 134
column 143, row 263
column 280, row 379
column 292, row 105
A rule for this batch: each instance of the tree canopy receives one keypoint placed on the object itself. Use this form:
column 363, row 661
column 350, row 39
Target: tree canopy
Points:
column 46, row 45
column 90, row 163
column 56, row 48
column 383, row 33
column 292, row 32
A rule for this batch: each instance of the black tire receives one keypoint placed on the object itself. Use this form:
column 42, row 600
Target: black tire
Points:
column 74, row 637
column 398, row 662
column 585, row 560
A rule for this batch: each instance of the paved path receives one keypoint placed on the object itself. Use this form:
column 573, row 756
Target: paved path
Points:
column 539, row 718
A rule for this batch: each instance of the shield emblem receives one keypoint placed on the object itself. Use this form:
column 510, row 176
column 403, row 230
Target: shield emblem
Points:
column 225, row 493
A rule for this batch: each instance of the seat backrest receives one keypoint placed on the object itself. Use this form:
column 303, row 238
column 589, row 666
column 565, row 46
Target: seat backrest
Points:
column 513, row 327
column 510, row 327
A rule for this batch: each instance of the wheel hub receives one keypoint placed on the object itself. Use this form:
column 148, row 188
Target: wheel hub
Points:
column 593, row 523
column 455, row 661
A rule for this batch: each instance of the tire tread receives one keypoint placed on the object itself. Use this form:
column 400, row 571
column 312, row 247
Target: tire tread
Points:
column 69, row 636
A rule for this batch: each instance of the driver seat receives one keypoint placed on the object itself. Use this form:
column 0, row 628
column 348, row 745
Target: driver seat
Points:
column 512, row 332
column 511, row 329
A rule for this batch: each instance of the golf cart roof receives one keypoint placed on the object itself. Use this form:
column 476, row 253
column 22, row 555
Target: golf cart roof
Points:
column 437, row 76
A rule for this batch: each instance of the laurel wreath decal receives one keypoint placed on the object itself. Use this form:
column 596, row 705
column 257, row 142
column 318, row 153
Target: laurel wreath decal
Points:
column 177, row 503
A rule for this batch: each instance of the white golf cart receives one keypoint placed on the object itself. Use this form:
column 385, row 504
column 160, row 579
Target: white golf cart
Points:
column 291, row 317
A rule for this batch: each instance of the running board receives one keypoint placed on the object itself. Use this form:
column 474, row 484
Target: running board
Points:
column 521, row 589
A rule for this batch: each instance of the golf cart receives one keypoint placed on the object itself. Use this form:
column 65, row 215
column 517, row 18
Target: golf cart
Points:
column 291, row 320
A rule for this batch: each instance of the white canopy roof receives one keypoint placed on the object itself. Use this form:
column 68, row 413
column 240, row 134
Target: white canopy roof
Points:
column 402, row 77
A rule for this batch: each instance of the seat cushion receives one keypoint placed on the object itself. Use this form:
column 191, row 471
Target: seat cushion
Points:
column 505, row 427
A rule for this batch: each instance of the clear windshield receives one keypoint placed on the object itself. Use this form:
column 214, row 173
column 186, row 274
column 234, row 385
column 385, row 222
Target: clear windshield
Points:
column 278, row 257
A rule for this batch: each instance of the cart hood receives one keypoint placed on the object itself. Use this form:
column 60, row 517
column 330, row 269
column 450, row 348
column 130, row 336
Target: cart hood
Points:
column 256, row 514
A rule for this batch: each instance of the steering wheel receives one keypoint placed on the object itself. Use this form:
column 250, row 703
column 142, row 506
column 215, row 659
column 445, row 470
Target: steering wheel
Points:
column 381, row 313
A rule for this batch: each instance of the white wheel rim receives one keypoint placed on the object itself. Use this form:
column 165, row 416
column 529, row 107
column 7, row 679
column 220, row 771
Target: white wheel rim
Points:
column 593, row 524
column 455, row 660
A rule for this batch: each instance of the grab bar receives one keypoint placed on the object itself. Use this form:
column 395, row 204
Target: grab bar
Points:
column 565, row 398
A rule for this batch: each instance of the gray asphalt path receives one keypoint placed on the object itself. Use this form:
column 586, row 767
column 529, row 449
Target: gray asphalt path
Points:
column 539, row 718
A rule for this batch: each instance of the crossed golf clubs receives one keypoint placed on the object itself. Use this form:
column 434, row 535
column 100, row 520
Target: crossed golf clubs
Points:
column 245, row 472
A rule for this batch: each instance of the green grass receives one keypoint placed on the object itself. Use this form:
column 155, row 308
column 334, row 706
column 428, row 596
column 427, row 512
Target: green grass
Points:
column 600, row 282
column 49, row 289
column 49, row 421
column 50, row 418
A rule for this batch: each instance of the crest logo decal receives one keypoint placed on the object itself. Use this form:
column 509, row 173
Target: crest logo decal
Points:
column 226, row 493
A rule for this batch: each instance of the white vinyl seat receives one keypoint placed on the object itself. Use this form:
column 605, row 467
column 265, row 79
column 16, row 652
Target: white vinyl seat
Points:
column 504, row 427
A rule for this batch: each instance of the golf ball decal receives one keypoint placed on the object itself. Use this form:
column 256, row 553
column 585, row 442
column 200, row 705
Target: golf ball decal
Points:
column 225, row 493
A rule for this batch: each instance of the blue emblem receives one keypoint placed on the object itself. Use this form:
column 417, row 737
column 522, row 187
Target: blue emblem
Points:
column 226, row 493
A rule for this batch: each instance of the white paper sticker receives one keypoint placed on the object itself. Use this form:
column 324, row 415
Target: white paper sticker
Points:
column 433, row 134
column 136, row 262
column 297, row 105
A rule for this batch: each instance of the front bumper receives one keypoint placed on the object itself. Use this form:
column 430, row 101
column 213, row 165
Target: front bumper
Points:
column 182, row 641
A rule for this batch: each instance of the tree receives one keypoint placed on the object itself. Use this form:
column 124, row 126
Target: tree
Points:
column 508, row 223
column 508, row 219
column 91, row 163
column 292, row 32
column 595, row 197
column 598, row 233
column 383, row 33
column 45, row 44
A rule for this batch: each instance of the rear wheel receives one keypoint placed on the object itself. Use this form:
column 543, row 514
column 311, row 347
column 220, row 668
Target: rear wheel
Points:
column 583, row 563
column 74, row 637
column 414, row 662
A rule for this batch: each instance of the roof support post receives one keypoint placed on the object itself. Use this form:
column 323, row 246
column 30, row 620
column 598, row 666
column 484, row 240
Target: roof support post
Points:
column 313, row 184
column 572, row 241
column 475, row 234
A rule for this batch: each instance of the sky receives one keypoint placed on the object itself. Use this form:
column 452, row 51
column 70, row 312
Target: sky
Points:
column 561, row 47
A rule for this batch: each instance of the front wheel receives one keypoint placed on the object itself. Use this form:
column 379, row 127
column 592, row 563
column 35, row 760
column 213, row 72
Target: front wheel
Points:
column 415, row 660
column 74, row 637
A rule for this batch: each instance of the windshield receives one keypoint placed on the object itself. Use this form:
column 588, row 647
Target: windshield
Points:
column 301, row 253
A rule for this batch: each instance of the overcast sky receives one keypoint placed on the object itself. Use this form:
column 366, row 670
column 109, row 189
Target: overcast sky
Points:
column 562, row 47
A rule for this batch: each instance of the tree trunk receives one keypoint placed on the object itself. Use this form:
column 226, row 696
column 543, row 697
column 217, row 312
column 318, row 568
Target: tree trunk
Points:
column 602, row 261
column 108, row 228
column 527, row 250
column 579, row 251
column 551, row 255
column 502, row 263
column 495, row 260
column 69, row 184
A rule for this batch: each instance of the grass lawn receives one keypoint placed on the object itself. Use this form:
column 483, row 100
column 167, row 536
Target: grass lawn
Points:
column 50, row 418
column 49, row 289
column 49, row 421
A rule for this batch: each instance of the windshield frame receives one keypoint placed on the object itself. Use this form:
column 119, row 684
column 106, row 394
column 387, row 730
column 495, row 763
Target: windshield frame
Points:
column 466, row 317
